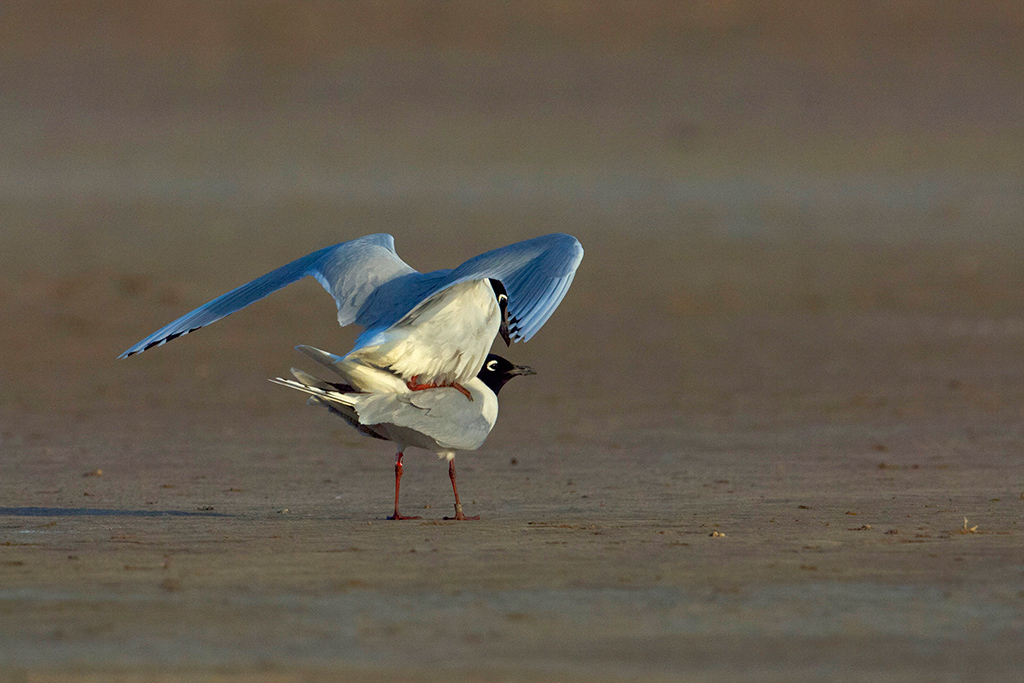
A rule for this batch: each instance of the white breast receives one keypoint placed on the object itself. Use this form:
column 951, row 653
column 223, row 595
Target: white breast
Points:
column 445, row 339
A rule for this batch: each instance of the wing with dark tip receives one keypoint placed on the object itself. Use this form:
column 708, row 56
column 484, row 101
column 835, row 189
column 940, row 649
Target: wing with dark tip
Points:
column 536, row 274
column 350, row 272
column 374, row 288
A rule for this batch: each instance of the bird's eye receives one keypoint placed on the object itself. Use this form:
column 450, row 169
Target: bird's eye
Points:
column 492, row 365
column 502, row 299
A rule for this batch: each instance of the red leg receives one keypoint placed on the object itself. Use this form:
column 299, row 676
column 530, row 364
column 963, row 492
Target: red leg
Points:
column 414, row 385
column 458, row 506
column 398, row 481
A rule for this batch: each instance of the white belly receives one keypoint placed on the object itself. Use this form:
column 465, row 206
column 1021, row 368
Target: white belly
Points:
column 445, row 339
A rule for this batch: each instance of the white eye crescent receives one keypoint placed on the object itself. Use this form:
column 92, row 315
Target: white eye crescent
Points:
column 502, row 298
column 492, row 365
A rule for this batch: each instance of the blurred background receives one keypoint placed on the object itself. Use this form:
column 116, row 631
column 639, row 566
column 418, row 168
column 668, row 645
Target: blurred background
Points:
column 713, row 157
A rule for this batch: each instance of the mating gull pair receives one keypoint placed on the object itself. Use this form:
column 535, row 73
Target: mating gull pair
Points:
column 419, row 374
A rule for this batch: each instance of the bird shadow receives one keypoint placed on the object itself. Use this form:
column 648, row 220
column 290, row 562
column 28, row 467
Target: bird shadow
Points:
column 100, row 512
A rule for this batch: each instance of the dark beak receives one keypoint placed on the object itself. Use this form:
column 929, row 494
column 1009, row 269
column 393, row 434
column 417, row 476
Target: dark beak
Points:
column 503, row 331
column 522, row 370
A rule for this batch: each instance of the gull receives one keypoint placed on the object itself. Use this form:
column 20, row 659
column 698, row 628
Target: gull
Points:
column 380, row 404
column 430, row 329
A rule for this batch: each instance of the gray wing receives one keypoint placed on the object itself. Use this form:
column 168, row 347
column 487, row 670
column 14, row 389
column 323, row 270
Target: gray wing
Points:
column 350, row 272
column 536, row 274
column 442, row 414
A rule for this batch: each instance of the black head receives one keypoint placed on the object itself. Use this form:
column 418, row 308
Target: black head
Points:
column 497, row 370
column 502, row 296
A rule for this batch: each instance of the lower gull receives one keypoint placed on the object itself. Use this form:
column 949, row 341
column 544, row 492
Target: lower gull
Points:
column 380, row 404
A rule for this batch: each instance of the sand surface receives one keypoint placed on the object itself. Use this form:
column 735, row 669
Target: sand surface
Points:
column 836, row 447
column 775, row 432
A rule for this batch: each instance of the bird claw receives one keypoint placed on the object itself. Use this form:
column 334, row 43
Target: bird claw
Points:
column 398, row 516
column 414, row 385
column 460, row 516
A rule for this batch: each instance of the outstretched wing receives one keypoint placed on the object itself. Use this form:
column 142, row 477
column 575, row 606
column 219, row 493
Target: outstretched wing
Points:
column 536, row 274
column 350, row 272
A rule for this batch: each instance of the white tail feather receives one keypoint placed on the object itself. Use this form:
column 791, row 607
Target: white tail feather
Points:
column 310, row 380
column 332, row 396
column 363, row 377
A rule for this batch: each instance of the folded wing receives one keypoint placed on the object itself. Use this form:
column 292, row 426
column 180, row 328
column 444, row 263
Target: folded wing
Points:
column 444, row 415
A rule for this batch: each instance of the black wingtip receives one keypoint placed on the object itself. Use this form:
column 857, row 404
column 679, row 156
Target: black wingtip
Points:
column 159, row 342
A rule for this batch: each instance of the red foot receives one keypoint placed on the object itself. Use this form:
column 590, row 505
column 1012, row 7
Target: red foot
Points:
column 416, row 386
column 398, row 516
column 460, row 516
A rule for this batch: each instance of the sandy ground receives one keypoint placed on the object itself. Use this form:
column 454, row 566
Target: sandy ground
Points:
column 776, row 430
column 836, row 446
